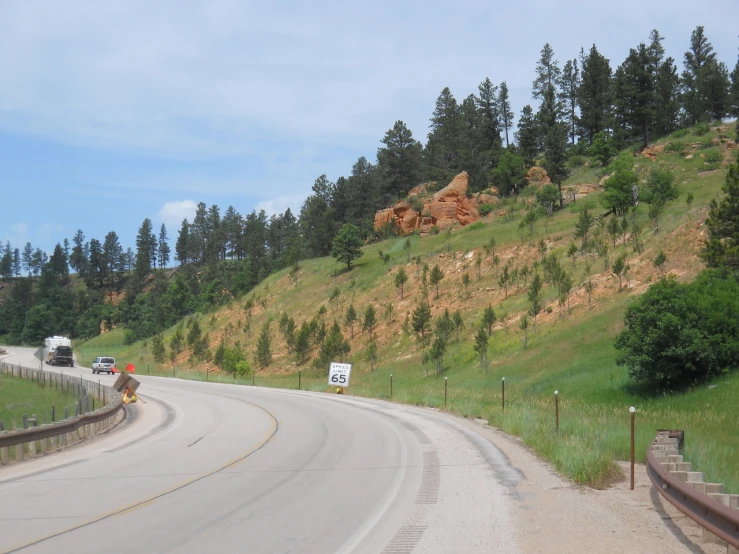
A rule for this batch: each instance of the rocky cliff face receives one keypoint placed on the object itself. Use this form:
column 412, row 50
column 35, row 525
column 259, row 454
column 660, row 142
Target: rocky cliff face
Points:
column 450, row 207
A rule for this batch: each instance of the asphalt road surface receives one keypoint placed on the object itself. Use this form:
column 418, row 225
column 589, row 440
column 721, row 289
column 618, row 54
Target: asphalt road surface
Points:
column 204, row 467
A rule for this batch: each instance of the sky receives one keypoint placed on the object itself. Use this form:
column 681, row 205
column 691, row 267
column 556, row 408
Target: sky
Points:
column 115, row 111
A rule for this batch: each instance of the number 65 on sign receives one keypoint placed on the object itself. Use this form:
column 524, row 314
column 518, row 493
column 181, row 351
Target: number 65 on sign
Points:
column 338, row 374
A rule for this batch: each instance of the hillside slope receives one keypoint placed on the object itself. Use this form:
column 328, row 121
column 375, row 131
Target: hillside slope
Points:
column 569, row 349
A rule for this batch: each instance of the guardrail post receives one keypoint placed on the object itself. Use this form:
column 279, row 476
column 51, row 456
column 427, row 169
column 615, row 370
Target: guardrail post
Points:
column 556, row 411
column 66, row 412
column 391, row 385
column 502, row 393
column 632, row 410
column 446, row 383
column 25, row 421
column 298, row 379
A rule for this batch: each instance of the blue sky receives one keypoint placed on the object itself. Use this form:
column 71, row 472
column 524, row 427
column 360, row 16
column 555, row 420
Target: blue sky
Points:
column 111, row 112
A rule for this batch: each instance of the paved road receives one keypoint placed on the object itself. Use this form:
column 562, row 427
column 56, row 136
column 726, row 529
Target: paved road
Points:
column 222, row 468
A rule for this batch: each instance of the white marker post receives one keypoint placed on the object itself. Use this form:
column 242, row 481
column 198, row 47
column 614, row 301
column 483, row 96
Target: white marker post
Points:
column 338, row 374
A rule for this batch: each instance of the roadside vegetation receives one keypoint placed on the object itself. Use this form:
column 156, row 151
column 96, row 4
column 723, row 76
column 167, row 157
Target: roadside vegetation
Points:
column 20, row 396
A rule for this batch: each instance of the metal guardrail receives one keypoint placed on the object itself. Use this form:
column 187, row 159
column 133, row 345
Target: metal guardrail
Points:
column 50, row 430
column 712, row 515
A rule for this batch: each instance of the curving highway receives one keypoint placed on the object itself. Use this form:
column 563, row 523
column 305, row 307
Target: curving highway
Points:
column 204, row 467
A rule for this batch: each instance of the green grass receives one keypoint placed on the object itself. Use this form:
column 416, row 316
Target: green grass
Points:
column 21, row 396
column 574, row 355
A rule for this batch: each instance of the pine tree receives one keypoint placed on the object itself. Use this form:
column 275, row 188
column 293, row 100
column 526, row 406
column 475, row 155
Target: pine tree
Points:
column 547, row 72
column 112, row 253
column 163, row 249
column 27, row 257
column 263, row 355
column 722, row 247
column 696, row 59
column 146, row 247
column 421, row 322
column 347, row 245
column 488, row 319
column 666, row 85
column 77, row 259
column 594, row 95
column 734, row 91
column 555, row 140
column 351, row 318
column 569, row 88
column 182, row 247
column 442, row 150
column 401, row 278
column 534, row 293
column 399, row 162
column 370, row 319
column 504, row 107
column 527, row 136
column 435, row 278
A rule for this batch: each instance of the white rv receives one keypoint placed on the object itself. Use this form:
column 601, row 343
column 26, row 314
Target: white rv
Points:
column 50, row 346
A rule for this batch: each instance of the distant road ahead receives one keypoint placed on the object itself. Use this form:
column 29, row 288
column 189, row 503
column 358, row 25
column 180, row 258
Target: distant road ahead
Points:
column 229, row 468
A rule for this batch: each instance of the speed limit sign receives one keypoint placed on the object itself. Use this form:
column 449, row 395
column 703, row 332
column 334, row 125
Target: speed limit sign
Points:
column 338, row 374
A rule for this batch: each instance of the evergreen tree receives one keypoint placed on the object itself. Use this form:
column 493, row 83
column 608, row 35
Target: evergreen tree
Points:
column 534, row 294
column 399, row 162
column 488, row 319
column 635, row 102
column 666, row 85
column 347, row 245
column 481, row 347
column 504, row 107
column 401, row 278
column 78, row 259
column 351, row 318
column 317, row 219
column 473, row 157
column 594, row 95
column 421, row 322
column 17, row 264
column 722, row 247
column 163, row 249
column 182, row 247
column 146, row 247
column 734, row 90
column 365, row 196
column 569, row 87
column 111, row 257
column 555, row 140
column 697, row 62
column 547, row 72
column 96, row 264
column 488, row 107
column 263, row 355
column 370, row 319
column 436, row 277
column 442, row 150
column 527, row 136
column 27, row 258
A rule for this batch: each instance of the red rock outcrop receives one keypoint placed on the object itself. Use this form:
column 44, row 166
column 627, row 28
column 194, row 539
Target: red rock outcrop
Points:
column 538, row 177
column 448, row 208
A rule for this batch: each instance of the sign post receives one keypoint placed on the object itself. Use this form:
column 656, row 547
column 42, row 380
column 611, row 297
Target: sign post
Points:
column 338, row 374
column 39, row 354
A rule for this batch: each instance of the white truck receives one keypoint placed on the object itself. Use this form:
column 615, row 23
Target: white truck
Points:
column 63, row 356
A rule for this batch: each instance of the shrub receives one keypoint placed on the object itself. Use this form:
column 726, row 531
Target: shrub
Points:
column 714, row 156
column 476, row 226
column 576, row 161
column 701, row 129
column 415, row 203
column 434, row 230
column 485, row 209
column 678, row 335
column 674, row 146
column 680, row 133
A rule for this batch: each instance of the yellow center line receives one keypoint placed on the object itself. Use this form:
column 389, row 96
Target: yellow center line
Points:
column 141, row 503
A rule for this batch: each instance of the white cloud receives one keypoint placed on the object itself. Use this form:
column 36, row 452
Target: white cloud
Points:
column 278, row 205
column 172, row 213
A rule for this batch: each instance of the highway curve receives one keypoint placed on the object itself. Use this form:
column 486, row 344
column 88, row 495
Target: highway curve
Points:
column 240, row 469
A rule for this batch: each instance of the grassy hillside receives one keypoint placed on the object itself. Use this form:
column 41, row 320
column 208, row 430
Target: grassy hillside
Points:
column 21, row 396
column 571, row 349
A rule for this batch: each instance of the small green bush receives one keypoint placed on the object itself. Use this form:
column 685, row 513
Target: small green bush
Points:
column 415, row 203
column 576, row 161
column 434, row 230
column 675, row 146
column 476, row 226
column 680, row 133
column 485, row 209
column 714, row 156
column 701, row 129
